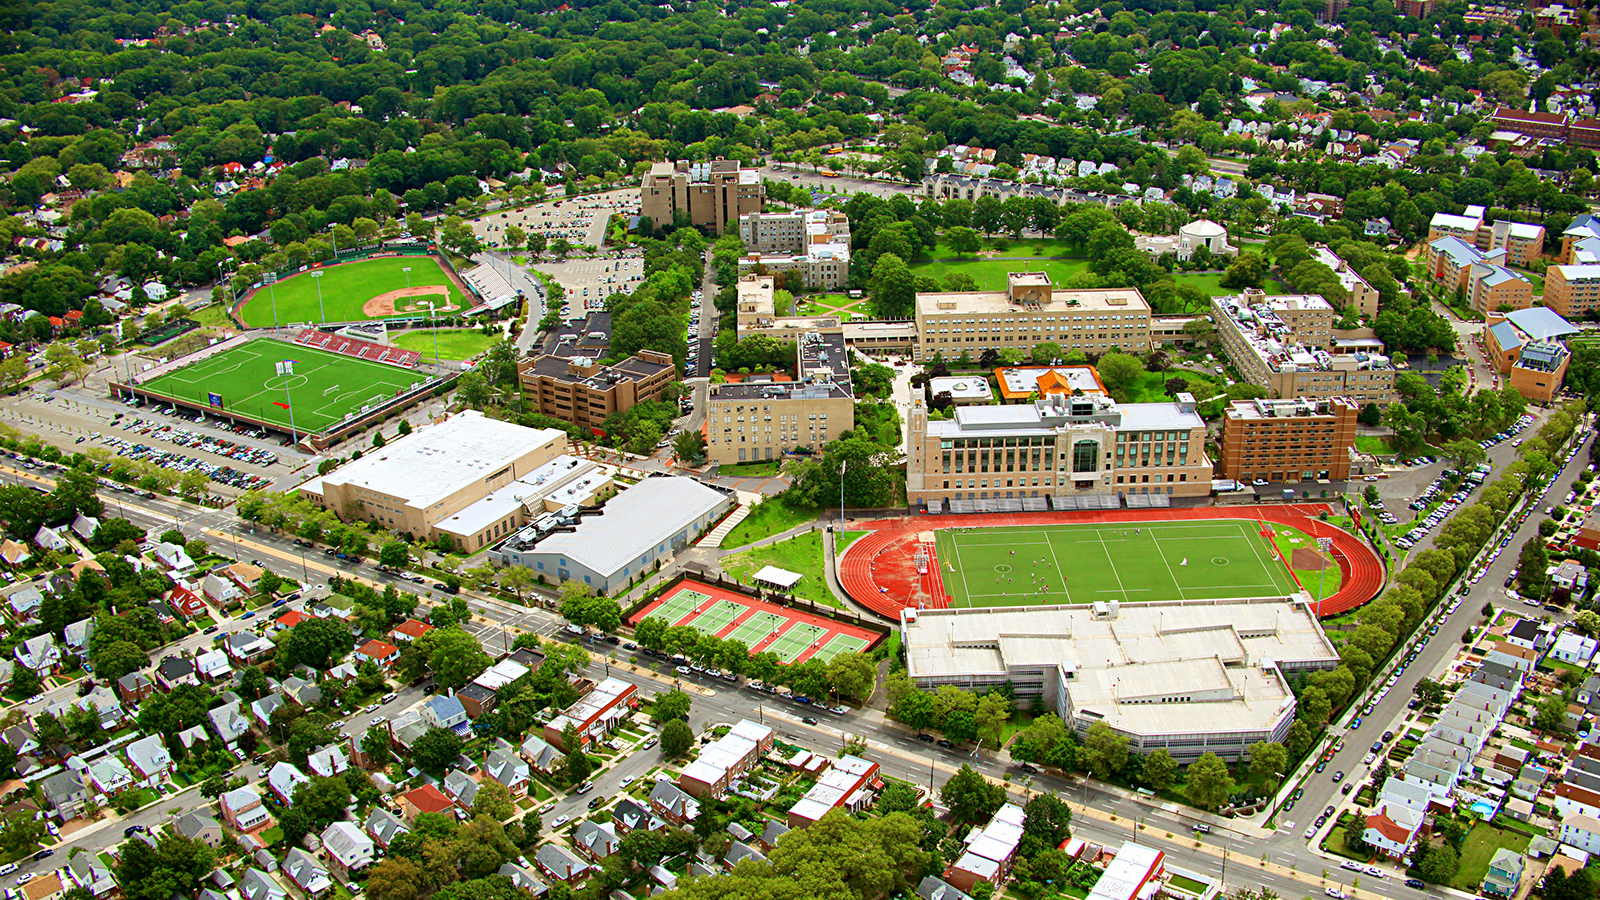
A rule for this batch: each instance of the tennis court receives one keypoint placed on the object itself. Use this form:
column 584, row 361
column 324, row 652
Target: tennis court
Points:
column 718, row 616
column 794, row 635
column 1081, row 564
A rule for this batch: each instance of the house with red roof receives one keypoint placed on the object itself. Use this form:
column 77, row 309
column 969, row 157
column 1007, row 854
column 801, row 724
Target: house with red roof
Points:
column 410, row 630
column 425, row 799
column 1389, row 837
column 380, row 652
column 289, row 619
column 186, row 601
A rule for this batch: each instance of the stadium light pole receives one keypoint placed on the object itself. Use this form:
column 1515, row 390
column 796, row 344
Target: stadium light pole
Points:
column 286, row 369
column 407, row 270
column 1324, row 544
column 316, row 277
column 843, row 464
column 435, row 330
column 272, row 289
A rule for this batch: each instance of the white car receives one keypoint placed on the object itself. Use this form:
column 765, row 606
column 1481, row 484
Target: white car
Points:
column 626, row 781
column 24, row 878
column 559, row 821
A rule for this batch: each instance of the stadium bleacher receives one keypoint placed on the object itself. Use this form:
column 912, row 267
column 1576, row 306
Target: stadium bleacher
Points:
column 367, row 350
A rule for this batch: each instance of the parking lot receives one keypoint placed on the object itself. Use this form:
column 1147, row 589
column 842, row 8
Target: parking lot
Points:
column 588, row 282
column 579, row 220
column 1435, row 501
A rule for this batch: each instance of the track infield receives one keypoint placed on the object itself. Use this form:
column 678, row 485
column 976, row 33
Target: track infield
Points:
column 1081, row 564
column 795, row 636
column 324, row 389
column 373, row 288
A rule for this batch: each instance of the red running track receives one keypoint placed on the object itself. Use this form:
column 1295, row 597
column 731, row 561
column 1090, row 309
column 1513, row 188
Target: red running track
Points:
column 878, row 571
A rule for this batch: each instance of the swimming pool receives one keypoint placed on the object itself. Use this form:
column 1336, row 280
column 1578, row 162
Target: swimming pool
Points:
column 1483, row 808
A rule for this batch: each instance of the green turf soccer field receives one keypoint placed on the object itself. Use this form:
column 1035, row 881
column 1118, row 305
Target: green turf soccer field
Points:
column 1141, row 561
column 323, row 389
column 346, row 288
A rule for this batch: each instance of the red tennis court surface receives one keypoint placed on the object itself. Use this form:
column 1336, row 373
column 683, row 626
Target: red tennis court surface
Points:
column 880, row 571
column 794, row 635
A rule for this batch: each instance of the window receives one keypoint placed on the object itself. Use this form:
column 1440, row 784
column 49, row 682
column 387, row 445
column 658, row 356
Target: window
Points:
column 1085, row 456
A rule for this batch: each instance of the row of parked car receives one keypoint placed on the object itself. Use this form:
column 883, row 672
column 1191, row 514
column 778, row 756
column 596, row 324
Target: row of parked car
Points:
column 178, row 462
column 215, row 445
column 1431, row 521
column 1508, row 434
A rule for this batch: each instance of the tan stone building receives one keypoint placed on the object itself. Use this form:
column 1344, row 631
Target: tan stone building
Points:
column 1057, row 450
column 1492, row 287
column 711, row 195
column 579, row 390
column 1526, row 346
column 435, row 472
column 762, row 419
column 1572, row 291
column 1283, row 344
column 1363, row 296
column 1288, row 440
column 1028, row 312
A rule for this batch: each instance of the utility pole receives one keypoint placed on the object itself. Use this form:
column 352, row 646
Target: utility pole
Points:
column 1324, row 544
column 317, row 278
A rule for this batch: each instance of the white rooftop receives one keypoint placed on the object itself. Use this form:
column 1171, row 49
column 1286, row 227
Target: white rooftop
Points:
column 633, row 522
column 564, row 480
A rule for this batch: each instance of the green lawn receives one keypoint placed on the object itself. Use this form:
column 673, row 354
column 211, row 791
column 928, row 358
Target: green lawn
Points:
column 347, row 287
column 1373, row 443
column 990, row 274
column 1477, row 850
column 1211, row 284
column 1152, row 386
column 324, row 389
column 454, row 343
column 763, row 469
column 831, row 305
column 1080, row 564
column 1023, row 247
column 1319, row 582
column 801, row 554
column 768, row 517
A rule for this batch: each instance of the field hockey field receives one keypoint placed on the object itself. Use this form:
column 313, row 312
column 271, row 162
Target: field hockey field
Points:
column 324, row 389
column 356, row 291
column 1145, row 561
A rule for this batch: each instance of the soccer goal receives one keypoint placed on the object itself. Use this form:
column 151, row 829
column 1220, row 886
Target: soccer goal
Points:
column 330, row 389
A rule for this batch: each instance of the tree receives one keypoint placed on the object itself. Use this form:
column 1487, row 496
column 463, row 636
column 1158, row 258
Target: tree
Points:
column 669, row 706
column 1159, row 770
column 853, row 675
column 493, row 800
column 323, row 799
column 454, row 656
column 1046, row 822
column 375, row 745
column 1209, row 783
column 1552, row 713
column 395, row 878
column 963, row 240
column 394, row 554
column 1104, row 751
column 971, row 797
column 1119, row 371
column 19, row 831
column 1269, row 760
column 318, row 643
column 1588, row 622
column 435, row 750
column 175, row 863
column 676, row 738
column 578, row 763
column 1370, row 415
column 690, row 448
column 894, row 291
column 1439, row 865
column 1465, row 453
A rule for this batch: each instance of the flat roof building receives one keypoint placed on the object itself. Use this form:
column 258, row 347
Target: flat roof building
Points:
column 811, row 245
column 1019, row 385
column 1526, row 346
column 635, row 532
column 1190, row 677
column 1287, row 440
column 1028, row 312
column 707, row 194
column 1056, row 450
column 848, row 784
column 1363, row 296
column 578, row 389
column 762, row 419
column 1573, row 291
column 596, row 713
column 1281, row 343
column 968, row 390
column 436, row 471
column 560, row 484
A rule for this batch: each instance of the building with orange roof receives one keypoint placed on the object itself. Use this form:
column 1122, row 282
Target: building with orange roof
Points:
column 380, row 652
column 425, row 799
column 410, row 630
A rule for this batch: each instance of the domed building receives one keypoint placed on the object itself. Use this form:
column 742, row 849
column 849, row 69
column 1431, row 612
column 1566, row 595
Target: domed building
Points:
column 1203, row 233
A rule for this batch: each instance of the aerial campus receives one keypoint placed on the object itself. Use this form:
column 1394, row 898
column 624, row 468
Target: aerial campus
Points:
column 799, row 449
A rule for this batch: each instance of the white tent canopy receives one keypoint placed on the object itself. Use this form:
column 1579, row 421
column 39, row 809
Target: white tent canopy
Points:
column 779, row 578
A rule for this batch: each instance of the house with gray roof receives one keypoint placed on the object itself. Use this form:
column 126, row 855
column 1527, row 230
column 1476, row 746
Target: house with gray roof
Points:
column 25, row 602
column 39, row 653
column 673, row 804
column 443, row 711
column 261, row 710
column 508, row 769
column 107, row 775
column 66, row 794
column 460, row 786
column 229, row 722
column 150, row 759
column 595, row 840
column 524, row 879
column 77, row 634
column 739, row 851
column 85, row 870
column 560, row 863
column 348, row 848
column 630, row 815
column 283, row 778
column 307, row 874
column 199, row 825
column 539, row 754
column 258, row 885
column 328, row 761
column 300, row 690
column 384, row 826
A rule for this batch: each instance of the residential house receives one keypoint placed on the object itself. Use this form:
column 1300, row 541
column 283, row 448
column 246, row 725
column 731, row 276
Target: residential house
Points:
column 349, row 850
column 76, row 636
column 509, row 770
column 46, row 886
column 771, row 833
column 173, row 558
column 247, row 647
column 409, row 630
column 134, row 687
column 523, row 879
column 230, row 722
column 334, row 606
column 186, row 601
column 379, row 652
column 108, row 776
column 84, row 526
column 476, row 699
column 40, row 654
column 150, row 760
column 50, row 539
column 258, row 885
column 176, row 670
column 595, row 840
column 25, row 602
column 935, row 888
column 384, row 826
column 85, row 870
column 199, row 825
column 1391, row 838
column 13, row 553
column 445, row 711
column 1572, row 647
column 213, row 665
column 540, row 755
column 283, row 779
column 261, row 710
column 1505, row 873
column 673, row 804
column 242, row 809
column 66, row 794
column 328, row 761
column 560, row 863
column 629, row 815
column 1581, row 831
column 739, row 851
column 461, row 786
column 425, row 799
column 307, row 874
column 196, row 734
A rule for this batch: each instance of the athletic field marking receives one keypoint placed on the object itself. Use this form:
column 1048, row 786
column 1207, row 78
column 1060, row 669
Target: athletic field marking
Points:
column 1060, row 572
column 1172, row 574
column 757, row 627
column 841, row 643
column 1115, row 574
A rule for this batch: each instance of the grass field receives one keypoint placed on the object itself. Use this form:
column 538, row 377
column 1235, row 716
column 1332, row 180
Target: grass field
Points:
column 346, row 288
column 454, row 343
column 1150, row 561
column 990, row 274
column 1210, row 283
column 324, row 388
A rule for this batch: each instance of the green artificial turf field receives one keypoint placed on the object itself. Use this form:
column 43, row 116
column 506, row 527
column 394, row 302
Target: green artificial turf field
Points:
column 1140, row 561
column 453, row 343
column 324, row 388
column 346, row 289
